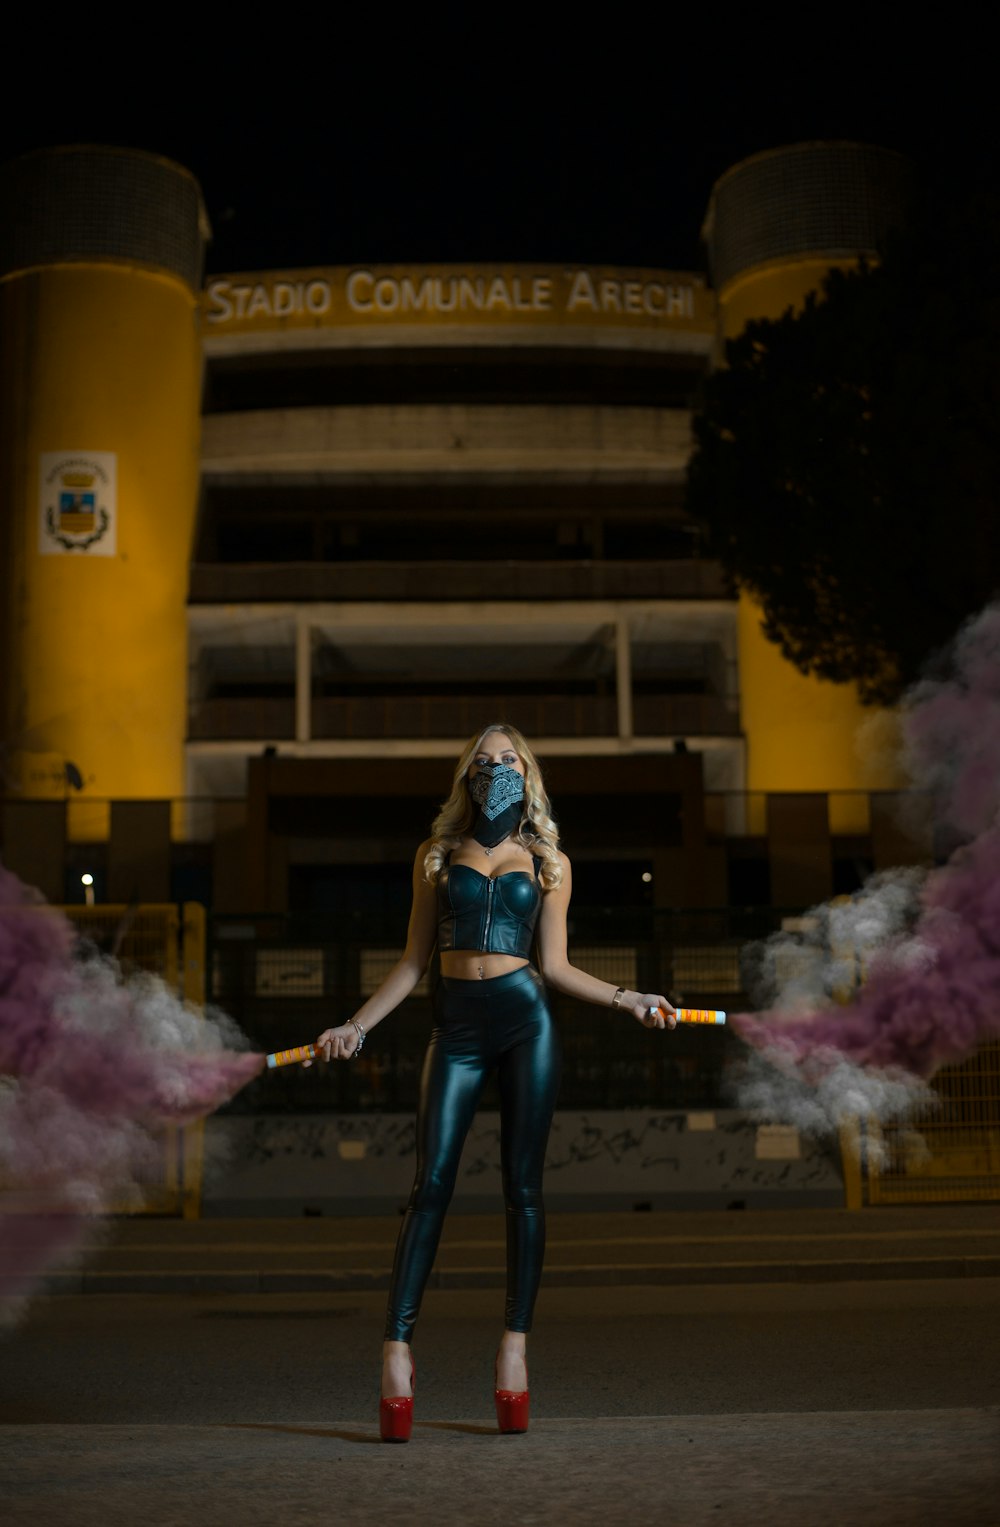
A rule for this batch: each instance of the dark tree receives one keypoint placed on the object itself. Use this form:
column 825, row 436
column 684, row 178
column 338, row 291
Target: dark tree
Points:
column 847, row 458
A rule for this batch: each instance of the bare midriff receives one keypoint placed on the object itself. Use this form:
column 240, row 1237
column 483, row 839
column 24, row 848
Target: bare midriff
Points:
column 468, row 965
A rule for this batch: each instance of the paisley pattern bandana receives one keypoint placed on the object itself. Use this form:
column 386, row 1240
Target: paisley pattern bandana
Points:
column 498, row 791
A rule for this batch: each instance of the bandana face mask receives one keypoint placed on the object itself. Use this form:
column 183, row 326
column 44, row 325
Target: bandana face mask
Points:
column 498, row 791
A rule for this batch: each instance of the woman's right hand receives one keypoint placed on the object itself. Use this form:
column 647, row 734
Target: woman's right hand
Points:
column 337, row 1044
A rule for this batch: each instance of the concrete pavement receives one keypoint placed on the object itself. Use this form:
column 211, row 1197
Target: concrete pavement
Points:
column 863, row 1402
column 891, row 1468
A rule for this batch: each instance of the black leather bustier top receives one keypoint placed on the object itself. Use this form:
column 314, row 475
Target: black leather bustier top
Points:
column 492, row 914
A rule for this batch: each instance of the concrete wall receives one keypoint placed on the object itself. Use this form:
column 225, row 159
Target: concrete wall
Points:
column 363, row 1163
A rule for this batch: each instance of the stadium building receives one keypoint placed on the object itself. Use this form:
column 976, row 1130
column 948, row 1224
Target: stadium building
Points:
column 276, row 543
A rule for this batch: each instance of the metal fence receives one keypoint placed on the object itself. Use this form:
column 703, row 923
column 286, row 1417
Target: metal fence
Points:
column 284, row 983
column 284, row 980
column 425, row 716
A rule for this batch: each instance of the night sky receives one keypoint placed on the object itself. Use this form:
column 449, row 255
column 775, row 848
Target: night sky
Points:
column 354, row 156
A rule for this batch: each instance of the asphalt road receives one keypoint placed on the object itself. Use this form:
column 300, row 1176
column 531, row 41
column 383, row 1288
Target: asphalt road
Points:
column 873, row 1404
column 147, row 1255
column 595, row 1352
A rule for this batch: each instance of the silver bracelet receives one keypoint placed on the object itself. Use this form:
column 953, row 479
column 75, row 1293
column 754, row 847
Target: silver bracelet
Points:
column 616, row 1000
column 361, row 1039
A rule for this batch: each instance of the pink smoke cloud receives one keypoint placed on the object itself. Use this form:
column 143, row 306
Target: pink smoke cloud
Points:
column 932, row 993
column 90, row 1066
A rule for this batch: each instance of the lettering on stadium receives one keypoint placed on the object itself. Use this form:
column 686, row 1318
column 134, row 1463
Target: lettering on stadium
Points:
column 369, row 294
column 280, row 299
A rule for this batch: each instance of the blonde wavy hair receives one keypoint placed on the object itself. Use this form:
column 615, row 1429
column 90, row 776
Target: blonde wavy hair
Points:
column 537, row 832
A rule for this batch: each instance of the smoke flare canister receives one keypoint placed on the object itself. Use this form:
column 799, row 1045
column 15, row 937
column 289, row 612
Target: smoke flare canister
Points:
column 694, row 1014
column 290, row 1057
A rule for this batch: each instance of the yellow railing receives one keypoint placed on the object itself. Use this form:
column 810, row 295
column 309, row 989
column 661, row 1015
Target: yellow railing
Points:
column 950, row 1153
column 169, row 942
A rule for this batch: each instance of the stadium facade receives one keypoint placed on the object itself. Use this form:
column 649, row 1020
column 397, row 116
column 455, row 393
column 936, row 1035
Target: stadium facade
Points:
column 276, row 543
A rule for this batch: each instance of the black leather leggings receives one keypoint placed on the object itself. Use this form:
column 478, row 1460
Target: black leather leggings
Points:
column 504, row 1023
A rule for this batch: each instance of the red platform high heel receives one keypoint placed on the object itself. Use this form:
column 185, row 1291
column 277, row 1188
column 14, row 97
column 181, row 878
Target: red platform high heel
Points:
column 511, row 1404
column 395, row 1413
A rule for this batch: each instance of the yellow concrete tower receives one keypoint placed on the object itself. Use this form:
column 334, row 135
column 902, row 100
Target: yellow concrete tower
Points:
column 100, row 375
column 776, row 223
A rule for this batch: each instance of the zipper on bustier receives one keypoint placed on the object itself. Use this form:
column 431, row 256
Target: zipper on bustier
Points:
column 488, row 921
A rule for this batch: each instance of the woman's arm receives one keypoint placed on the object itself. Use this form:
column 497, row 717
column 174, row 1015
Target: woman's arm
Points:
column 340, row 1043
column 564, row 977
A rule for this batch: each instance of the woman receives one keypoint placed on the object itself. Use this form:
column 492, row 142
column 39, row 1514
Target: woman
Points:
column 490, row 873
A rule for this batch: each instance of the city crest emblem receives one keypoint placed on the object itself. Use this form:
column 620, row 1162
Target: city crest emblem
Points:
column 77, row 504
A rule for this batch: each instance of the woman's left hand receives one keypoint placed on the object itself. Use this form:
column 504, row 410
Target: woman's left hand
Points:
column 653, row 1011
